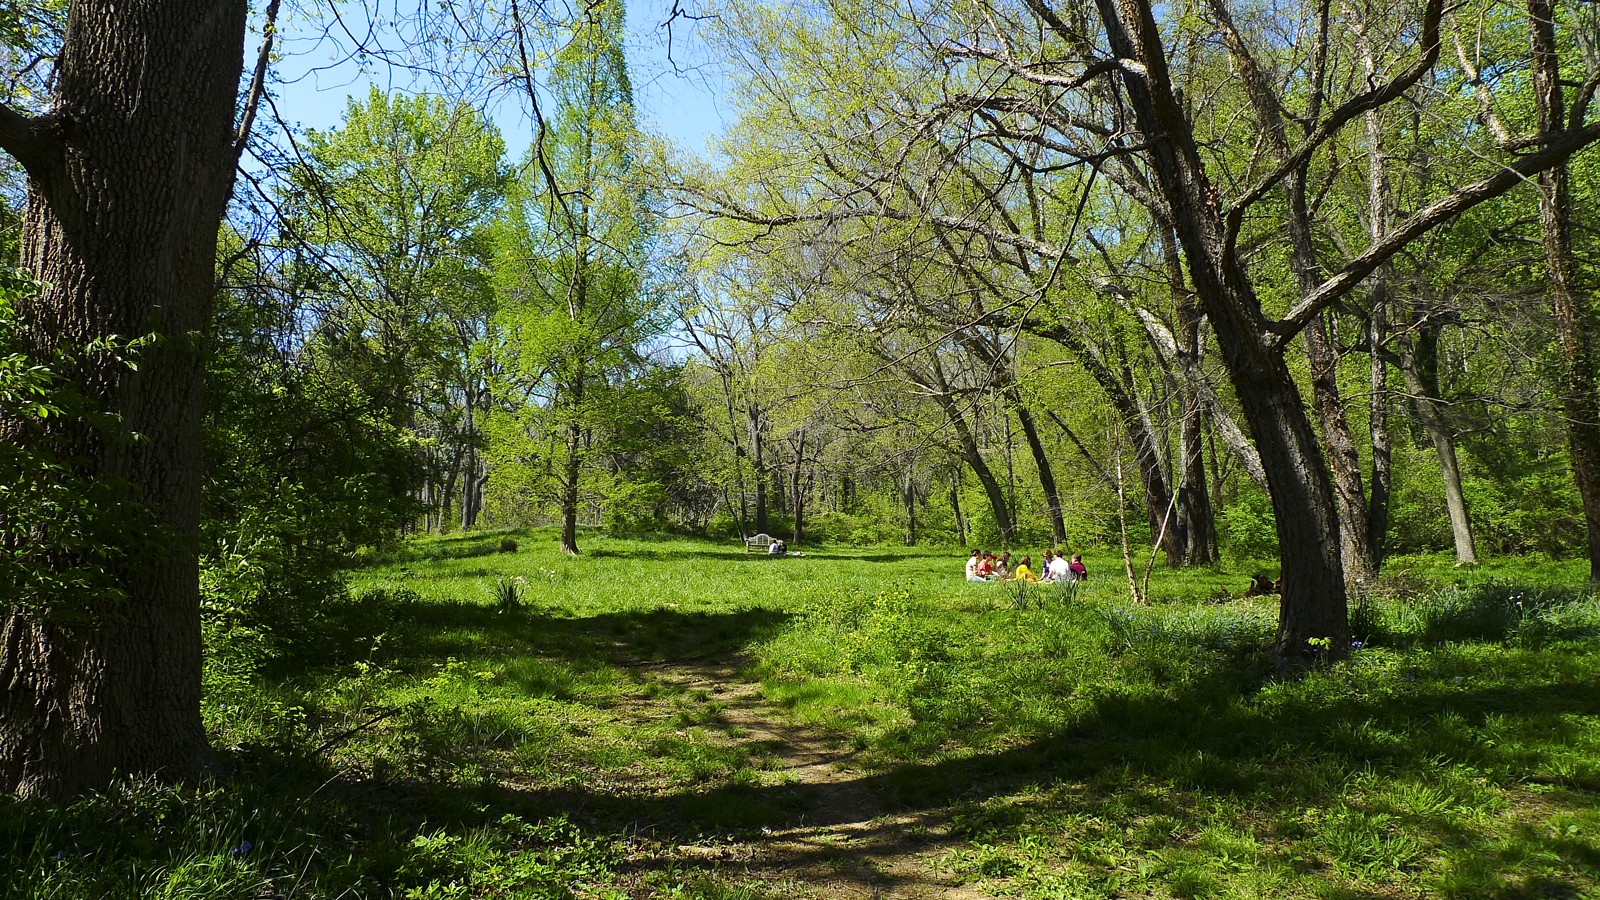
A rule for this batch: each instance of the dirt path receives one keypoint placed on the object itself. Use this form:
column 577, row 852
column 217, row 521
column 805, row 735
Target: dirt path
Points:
column 846, row 844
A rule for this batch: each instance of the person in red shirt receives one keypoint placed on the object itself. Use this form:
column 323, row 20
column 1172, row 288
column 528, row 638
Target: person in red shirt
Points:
column 1079, row 571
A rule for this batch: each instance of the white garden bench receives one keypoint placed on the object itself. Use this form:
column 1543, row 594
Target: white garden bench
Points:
column 758, row 541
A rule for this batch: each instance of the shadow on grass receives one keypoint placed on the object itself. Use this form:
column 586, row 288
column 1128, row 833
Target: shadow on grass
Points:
column 464, row 546
column 1129, row 760
column 1129, row 757
column 670, row 553
column 417, row 633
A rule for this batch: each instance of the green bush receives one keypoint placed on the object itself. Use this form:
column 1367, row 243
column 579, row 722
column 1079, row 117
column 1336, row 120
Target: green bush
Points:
column 1247, row 527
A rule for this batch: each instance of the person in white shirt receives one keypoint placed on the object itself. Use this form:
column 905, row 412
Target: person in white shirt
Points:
column 1059, row 572
column 972, row 566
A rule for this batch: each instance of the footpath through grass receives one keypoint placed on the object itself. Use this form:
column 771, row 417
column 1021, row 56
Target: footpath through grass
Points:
column 425, row 740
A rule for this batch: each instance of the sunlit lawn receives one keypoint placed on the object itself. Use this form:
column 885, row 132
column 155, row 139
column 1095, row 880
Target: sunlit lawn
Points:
column 425, row 740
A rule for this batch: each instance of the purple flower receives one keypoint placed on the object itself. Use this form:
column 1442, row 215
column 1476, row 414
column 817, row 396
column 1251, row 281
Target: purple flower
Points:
column 1355, row 645
column 242, row 850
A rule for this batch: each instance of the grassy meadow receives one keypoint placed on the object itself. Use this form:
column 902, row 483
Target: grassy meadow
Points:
column 474, row 723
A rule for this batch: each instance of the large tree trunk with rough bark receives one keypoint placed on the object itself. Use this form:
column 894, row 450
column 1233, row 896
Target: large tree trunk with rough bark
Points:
column 1194, row 500
column 1575, row 315
column 129, row 175
column 1378, row 428
column 1313, row 605
column 1344, row 460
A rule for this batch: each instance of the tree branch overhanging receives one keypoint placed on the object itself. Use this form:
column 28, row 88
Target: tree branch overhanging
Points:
column 1355, row 106
column 258, row 81
column 1435, row 214
column 28, row 139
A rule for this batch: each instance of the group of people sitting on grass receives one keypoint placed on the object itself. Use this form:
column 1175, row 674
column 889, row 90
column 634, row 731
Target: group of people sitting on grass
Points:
column 985, row 566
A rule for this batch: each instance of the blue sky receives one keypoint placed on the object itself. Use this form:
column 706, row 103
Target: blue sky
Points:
column 680, row 98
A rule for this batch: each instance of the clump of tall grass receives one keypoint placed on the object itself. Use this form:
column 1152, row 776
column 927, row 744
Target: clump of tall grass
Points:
column 508, row 593
column 1491, row 611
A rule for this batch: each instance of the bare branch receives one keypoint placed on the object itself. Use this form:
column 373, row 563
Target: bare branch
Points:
column 1435, row 214
column 1029, row 71
column 258, row 81
column 1355, row 106
column 30, row 143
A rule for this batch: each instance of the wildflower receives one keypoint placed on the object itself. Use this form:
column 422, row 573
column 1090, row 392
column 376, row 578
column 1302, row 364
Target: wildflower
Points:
column 242, row 850
column 1356, row 645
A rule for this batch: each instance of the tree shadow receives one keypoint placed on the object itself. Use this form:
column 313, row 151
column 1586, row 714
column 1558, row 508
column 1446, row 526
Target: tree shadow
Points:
column 671, row 553
column 417, row 633
column 1129, row 760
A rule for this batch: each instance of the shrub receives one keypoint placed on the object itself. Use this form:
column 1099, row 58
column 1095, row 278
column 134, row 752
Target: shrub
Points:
column 1247, row 526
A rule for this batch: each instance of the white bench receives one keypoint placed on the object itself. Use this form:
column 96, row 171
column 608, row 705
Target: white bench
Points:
column 762, row 541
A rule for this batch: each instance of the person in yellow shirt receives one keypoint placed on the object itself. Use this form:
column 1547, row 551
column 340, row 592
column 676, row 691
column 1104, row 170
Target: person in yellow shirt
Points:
column 1025, row 570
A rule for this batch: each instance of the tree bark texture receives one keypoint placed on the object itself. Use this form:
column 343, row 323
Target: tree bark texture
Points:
column 1314, row 602
column 572, row 466
column 1574, row 312
column 129, row 175
column 1378, row 428
column 1355, row 544
column 908, row 494
column 1380, row 218
column 955, row 507
column 1342, row 457
column 1194, row 500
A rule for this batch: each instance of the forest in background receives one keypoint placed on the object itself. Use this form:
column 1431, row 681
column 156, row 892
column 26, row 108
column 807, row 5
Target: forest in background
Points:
column 1311, row 280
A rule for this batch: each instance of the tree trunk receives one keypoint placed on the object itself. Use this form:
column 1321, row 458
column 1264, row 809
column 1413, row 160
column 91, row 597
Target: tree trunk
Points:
column 447, row 495
column 1574, row 313
column 129, row 177
column 1146, row 450
column 469, row 480
column 1041, row 461
column 955, row 506
column 908, row 493
column 1419, row 367
column 1194, row 501
column 799, row 499
column 759, row 469
column 1380, row 217
column 1313, row 606
column 974, row 457
column 572, row 466
column 1344, row 462
column 1378, row 428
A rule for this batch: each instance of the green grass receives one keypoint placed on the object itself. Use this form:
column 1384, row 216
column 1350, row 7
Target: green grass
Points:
column 427, row 739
